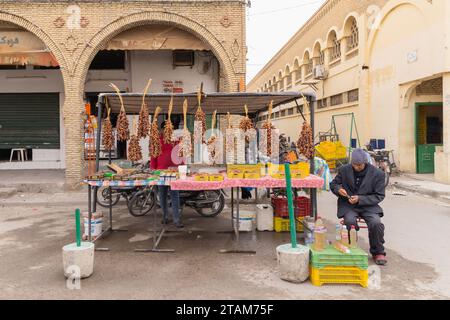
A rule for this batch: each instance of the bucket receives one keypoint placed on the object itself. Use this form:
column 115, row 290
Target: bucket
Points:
column 96, row 225
column 246, row 220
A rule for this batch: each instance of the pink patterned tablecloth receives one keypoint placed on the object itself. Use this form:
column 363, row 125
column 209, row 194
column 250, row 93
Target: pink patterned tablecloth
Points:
column 269, row 182
column 265, row 182
column 191, row 184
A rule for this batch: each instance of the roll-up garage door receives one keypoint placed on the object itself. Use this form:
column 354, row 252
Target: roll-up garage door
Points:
column 29, row 120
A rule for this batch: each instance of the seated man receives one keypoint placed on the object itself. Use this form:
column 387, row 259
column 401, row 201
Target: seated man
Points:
column 360, row 187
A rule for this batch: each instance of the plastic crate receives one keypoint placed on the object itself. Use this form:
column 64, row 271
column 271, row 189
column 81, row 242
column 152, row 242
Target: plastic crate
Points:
column 215, row 177
column 329, row 150
column 282, row 224
column 302, row 206
column 341, row 151
column 252, row 175
column 331, row 257
column 235, row 175
column 340, row 275
column 331, row 164
column 298, row 170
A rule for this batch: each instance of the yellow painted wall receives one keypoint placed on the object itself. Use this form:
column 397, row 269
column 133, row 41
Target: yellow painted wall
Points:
column 401, row 44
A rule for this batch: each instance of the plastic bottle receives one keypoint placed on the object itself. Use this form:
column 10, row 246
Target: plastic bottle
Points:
column 340, row 247
column 344, row 236
column 320, row 235
column 309, row 240
column 353, row 238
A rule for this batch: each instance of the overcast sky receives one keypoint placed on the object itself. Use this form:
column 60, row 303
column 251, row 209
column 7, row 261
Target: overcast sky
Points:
column 270, row 24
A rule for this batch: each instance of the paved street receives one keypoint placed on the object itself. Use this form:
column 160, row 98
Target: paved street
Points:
column 33, row 232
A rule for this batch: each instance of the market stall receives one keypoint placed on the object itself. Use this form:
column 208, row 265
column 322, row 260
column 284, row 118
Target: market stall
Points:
column 237, row 176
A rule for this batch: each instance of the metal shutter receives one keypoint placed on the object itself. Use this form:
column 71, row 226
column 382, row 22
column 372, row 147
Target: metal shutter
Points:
column 29, row 120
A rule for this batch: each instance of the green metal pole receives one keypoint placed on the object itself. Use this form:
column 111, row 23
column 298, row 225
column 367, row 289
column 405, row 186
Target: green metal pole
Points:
column 78, row 227
column 290, row 205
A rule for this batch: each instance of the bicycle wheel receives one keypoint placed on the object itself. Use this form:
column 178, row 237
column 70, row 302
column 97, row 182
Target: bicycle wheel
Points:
column 103, row 197
column 141, row 203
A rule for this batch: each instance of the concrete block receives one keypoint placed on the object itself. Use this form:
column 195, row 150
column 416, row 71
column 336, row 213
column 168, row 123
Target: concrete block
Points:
column 78, row 259
column 293, row 263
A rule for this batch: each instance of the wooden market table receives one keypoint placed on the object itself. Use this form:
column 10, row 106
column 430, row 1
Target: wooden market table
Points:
column 189, row 184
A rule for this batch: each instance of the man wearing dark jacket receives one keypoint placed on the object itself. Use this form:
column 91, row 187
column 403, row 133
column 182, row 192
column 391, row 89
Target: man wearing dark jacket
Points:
column 360, row 188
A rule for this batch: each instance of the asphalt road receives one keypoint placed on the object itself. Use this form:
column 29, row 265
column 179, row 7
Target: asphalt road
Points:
column 33, row 231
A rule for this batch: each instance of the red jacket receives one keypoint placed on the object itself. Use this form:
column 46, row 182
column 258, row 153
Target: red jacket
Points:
column 164, row 161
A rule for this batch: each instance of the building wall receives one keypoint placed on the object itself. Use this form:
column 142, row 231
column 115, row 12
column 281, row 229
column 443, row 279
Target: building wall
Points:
column 76, row 34
column 141, row 66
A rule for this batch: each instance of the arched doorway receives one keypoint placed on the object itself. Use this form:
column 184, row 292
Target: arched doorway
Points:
column 176, row 61
column 31, row 97
column 100, row 40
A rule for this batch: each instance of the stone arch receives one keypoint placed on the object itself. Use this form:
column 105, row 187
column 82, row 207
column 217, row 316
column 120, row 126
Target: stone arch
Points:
column 280, row 75
column 329, row 34
column 287, row 69
column 156, row 17
column 350, row 31
column 421, row 5
column 317, row 48
column 306, row 55
column 348, row 18
column 44, row 37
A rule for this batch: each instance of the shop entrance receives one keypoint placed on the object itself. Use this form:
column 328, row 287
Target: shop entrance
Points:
column 429, row 134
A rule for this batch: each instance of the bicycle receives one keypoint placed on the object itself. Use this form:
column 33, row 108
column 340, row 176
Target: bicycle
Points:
column 381, row 158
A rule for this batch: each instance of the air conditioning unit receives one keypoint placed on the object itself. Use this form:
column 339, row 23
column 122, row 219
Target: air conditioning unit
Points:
column 319, row 72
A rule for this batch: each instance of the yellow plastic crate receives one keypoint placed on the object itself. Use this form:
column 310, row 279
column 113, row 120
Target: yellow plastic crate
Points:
column 341, row 151
column 245, row 167
column 331, row 164
column 339, row 275
column 235, row 175
column 252, row 175
column 201, row 177
column 298, row 171
column 282, row 225
column 329, row 150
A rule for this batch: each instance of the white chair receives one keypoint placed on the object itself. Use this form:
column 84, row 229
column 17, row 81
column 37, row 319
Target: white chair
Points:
column 21, row 154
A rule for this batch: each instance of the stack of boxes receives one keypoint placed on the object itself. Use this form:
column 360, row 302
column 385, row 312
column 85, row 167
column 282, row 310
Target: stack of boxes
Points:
column 333, row 266
column 302, row 207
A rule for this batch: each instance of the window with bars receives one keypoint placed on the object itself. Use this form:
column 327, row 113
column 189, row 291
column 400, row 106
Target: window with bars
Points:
column 353, row 95
column 283, row 113
column 297, row 75
column 308, row 67
column 289, row 79
column 322, row 58
column 336, row 100
column 353, row 38
column 280, row 85
column 290, row 111
column 335, row 49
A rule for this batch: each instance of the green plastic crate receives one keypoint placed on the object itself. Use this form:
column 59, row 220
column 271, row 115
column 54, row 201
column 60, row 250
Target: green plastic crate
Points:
column 331, row 257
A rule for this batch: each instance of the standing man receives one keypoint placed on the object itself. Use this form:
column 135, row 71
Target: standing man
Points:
column 360, row 188
column 164, row 161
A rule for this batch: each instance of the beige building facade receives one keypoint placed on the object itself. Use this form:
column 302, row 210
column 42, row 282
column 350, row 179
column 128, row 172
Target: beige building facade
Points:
column 73, row 34
column 385, row 62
